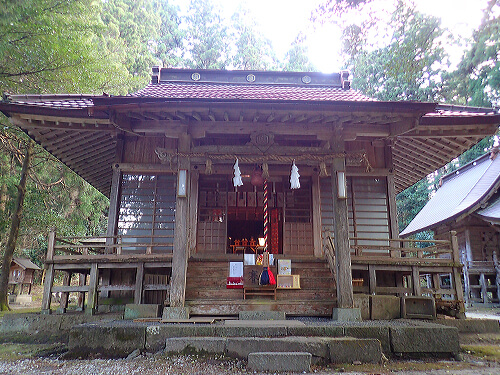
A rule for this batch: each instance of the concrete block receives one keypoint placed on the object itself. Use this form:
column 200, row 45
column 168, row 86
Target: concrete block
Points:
column 381, row 333
column 262, row 315
column 346, row 315
column 385, row 307
column 134, row 311
column 362, row 302
column 156, row 334
column 195, row 345
column 349, row 350
column 472, row 325
column 172, row 313
column 242, row 347
column 107, row 341
column 424, row 338
column 416, row 307
column 285, row 361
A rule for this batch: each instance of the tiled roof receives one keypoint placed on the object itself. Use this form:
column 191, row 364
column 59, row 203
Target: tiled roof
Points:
column 461, row 192
column 202, row 90
column 492, row 211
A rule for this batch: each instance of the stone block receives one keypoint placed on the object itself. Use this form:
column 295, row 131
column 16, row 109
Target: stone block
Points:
column 381, row 333
column 174, row 313
column 472, row 325
column 156, row 334
column 349, row 350
column 107, row 341
column 251, row 331
column 424, row 338
column 385, row 307
column 321, row 331
column 416, row 307
column 262, row 315
column 284, row 361
column 242, row 347
column 134, row 311
column 21, row 299
column 195, row 345
column 346, row 315
column 362, row 302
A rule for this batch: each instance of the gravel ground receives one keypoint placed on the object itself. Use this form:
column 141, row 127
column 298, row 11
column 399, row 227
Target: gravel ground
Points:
column 192, row 365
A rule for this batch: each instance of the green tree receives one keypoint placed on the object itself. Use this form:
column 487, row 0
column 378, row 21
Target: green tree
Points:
column 207, row 37
column 476, row 81
column 409, row 67
column 296, row 57
column 253, row 50
column 170, row 39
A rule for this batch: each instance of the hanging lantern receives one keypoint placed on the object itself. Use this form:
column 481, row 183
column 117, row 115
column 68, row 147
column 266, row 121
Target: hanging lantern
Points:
column 256, row 177
column 237, row 175
column 294, row 177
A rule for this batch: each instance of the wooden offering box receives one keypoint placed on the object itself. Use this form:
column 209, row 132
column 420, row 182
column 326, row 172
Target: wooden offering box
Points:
column 288, row 282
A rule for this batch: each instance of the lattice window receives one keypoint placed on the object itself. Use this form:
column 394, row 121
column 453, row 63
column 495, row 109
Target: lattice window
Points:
column 147, row 211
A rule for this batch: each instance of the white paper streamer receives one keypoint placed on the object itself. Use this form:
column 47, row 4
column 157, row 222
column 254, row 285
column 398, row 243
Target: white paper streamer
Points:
column 294, row 177
column 237, row 175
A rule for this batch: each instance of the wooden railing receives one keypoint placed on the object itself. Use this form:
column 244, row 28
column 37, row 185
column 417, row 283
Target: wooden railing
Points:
column 105, row 247
column 440, row 249
column 330, row 256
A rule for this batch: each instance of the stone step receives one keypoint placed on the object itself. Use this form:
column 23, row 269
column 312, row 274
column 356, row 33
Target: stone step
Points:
column 284, row 361
column 321, row 349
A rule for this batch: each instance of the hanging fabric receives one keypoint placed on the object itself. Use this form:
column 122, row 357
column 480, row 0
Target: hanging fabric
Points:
column 265, row 171
column 237, row 181
column 294, row 177
column 208, row 167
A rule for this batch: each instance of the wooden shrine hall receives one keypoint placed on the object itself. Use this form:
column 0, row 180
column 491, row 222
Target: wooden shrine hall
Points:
column 169, row 156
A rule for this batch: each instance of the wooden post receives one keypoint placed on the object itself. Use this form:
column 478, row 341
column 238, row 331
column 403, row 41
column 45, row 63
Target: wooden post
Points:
column 391, row 195
column 180, row 255
column 47, row 289
column 139, row 278
column 63, row 305
column 497, row 272
column 92, row 298
column 415, row 277
column 345, row 297
column 316, row 217
column 48, row 273
column 457, row 274
column 193, row 211
column 465, row 261
column 372, row 287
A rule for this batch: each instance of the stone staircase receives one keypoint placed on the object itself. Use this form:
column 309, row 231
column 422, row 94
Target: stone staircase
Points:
column 206, row 292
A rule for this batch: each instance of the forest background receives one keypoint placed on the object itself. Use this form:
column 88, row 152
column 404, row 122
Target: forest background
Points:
column 84, row 46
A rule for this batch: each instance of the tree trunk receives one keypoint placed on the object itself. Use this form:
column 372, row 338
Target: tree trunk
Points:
column 14, row 230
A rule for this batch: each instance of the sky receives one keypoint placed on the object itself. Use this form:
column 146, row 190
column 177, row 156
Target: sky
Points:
column 282, row 20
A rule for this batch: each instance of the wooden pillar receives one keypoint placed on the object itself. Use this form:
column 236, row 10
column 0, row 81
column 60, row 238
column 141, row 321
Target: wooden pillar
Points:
column 372, row 274
column 466, row 257
column 345, row 297
column 63, row 305
column 193, row 211
column 180, row 255
column 497, row 272
column 391, row 196
column 316, row 217
column 139, row 278
column 49, row 274
column 457, row 274
column 415, row 278
column 93, row 283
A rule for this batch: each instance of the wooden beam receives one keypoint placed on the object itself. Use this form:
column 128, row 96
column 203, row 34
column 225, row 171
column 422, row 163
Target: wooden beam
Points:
column 316, row 217
column 139, row 280
column 93, row 283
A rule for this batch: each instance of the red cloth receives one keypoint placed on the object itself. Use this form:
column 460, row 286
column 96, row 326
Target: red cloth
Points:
column 272, row 280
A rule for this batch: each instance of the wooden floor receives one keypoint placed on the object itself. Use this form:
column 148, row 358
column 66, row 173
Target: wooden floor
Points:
column 206, row 292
